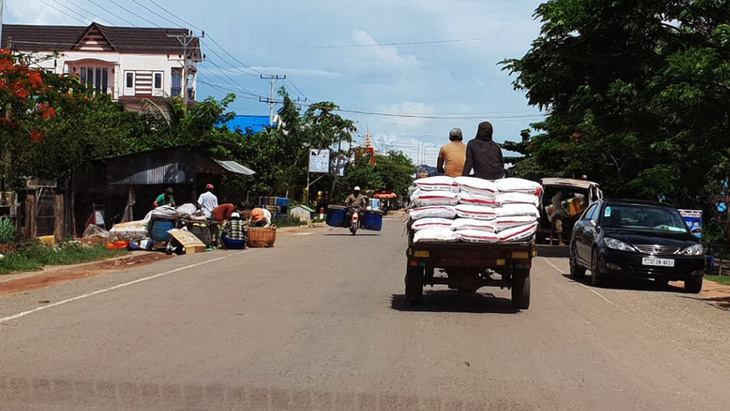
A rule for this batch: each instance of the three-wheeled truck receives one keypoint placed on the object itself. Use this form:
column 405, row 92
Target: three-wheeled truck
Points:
column 470, row 266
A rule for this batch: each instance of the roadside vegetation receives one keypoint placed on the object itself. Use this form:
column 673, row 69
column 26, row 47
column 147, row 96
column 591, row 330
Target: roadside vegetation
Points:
column 34, row 256
column 637, row 97
column 722, row 279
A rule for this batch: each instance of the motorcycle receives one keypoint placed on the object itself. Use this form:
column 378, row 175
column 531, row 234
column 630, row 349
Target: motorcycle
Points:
column 355, row 215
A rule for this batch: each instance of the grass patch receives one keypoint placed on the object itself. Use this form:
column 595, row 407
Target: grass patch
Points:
column 35, row 256
column 722, row 279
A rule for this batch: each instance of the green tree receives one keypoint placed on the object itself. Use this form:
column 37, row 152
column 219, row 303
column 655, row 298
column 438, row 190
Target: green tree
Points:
column 396, row 171
column 637, row 94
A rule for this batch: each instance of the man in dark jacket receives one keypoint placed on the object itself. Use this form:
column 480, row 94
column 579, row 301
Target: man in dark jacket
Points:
column 484, row 155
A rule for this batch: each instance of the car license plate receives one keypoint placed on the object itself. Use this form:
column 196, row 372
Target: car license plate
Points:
column 659, row 262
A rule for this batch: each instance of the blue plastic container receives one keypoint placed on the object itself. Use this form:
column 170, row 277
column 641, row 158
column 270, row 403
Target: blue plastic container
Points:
column 372, row 221
column 232, row 244
column 159, row 230
column 336, row 218
column 282, row 201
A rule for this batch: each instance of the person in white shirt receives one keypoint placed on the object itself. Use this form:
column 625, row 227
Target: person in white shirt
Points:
column 207, row 201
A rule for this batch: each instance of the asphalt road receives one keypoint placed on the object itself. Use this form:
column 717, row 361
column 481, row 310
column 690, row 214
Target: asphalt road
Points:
column 319, row 323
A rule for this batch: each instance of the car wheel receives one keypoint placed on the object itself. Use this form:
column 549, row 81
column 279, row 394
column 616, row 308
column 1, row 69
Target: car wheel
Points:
column 576, row 271
column 521, row 289
column 597, row 277
column 693, row 285
column 414, row 286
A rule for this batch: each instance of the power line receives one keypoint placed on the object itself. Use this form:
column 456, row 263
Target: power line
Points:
column 155, row 14
column 134, row 14
column 176, row 17
column 62, row 12
column 296, row 89
column 107, row 10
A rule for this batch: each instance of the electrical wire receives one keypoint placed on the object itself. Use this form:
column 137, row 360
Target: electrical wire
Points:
column 107, row 10
column 134, row 14
column 63, row 12
column 155, row 14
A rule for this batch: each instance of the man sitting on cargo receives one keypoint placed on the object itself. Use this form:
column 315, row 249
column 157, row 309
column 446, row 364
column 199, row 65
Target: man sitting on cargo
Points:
column 260, row 217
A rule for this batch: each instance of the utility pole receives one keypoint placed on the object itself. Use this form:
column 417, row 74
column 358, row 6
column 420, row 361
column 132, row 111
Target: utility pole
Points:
column 2, row 6
column 185, row 40
column 270, row 100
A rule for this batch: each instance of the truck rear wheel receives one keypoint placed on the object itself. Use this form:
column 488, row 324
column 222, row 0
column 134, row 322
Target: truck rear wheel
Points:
column 521, row 289
column 414, row 285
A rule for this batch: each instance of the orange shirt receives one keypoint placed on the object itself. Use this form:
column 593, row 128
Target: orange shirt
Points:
column 452, row 157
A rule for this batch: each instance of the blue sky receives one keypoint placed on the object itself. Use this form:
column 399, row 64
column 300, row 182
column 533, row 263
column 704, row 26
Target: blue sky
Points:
column 410, row 68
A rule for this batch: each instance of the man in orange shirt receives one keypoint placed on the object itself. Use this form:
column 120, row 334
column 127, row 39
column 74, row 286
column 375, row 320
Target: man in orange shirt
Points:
column 452, row 156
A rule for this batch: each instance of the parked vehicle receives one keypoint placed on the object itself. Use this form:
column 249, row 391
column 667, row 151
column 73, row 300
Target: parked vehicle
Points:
column 468, row 267
column 636, row 239
column 589, row 190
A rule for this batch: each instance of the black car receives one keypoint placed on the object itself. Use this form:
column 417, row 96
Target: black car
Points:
column 636, row 239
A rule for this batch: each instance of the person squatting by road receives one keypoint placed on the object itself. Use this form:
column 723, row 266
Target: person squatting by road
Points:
column 260, row 217
column 483, row 155
column 452, row 156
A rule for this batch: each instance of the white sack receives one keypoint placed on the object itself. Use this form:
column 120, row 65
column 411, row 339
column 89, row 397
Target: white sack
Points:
column 426, row 223
column 506, row 222
column 433, row 211
column 475, row 211
column 518, row 185
column 476, row 185
column 517, row 209
column 478, row 199
column 422, row 198
column 187, row 210
column 165, row 212
column 518, row 198
column 435, row 234
column 478, row 236
column 473, row 224
column 521, row 233
column 443, row 183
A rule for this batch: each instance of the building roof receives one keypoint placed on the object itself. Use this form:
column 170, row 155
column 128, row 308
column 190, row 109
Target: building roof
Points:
column 142, row 40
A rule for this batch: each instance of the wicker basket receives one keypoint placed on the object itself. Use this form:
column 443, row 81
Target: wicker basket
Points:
column 261, row 237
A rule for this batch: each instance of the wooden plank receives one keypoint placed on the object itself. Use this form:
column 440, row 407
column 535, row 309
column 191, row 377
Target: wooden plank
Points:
column 188, row 240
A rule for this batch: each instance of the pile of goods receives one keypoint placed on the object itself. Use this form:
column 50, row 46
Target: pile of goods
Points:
column 474, row 210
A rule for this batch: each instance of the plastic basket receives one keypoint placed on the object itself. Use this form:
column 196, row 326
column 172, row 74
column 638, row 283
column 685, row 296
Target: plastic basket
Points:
column 261, row 237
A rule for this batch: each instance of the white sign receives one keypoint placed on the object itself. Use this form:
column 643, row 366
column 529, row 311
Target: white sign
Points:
column 319, row 161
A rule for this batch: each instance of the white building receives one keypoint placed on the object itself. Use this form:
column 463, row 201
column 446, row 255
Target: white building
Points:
column 131, row 64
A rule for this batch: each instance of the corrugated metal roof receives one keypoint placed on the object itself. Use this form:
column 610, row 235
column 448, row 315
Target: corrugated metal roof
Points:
column 234, row 167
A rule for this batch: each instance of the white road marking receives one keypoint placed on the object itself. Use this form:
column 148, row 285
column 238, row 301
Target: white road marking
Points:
column 585, row 286
column 302, row 234
column 139, row 280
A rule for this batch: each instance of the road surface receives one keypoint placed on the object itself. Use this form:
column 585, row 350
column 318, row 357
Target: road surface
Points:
column 319, row 323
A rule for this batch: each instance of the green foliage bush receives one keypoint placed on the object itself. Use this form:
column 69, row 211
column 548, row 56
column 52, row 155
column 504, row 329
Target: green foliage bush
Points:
column 35, row 255
column 8, row 233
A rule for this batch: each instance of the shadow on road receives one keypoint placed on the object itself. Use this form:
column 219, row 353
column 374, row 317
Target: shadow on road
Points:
column 451, row 301
column 629, row 284
column 719, row 302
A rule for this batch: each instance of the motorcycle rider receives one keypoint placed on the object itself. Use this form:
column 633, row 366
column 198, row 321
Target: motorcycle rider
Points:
column 355, row 200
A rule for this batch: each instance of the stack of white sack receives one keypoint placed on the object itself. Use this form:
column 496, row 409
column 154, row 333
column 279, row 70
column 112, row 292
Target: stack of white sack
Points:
column 486, row 211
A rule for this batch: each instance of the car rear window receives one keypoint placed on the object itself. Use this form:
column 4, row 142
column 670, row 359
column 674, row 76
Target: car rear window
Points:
column 643, row 217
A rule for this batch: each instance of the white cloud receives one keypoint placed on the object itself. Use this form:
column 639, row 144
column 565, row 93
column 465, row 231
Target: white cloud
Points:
column 377, row 60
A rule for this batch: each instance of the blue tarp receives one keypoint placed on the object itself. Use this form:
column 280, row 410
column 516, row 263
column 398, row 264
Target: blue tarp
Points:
column 255, row 123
